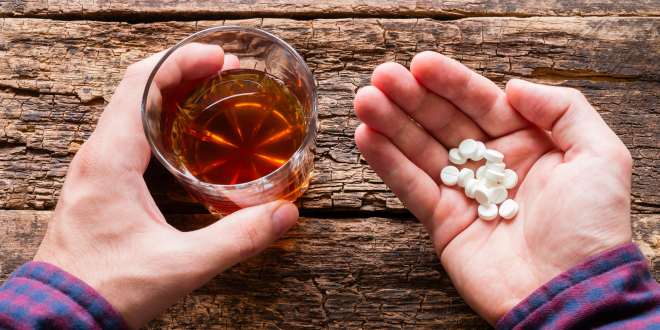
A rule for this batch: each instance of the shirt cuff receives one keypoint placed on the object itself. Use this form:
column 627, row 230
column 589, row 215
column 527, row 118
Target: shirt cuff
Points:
column 41, row 293
column 612, row 288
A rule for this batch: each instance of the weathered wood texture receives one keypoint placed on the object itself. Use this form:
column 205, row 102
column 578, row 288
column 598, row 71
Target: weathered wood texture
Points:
column 178, row 9
column 344, row 273
column 55, row 77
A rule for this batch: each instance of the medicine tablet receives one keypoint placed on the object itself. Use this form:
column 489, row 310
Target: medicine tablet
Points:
column 508, row 209
column 494, row 177
column 479, row 154
column 487, row 211
column 510, row 179
column 497, row 195
column 481, row 171
column 468, row 148
column 470, row 187
column 449, row 175
column 456, row 157
column 481, row 194
column 493, row 156
column 497, row 167
column 464, row 175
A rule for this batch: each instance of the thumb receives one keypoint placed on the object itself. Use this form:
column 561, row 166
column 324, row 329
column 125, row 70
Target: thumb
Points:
column 566, row 113
column 242, row 234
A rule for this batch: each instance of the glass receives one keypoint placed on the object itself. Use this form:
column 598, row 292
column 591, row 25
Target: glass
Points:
column 257, row 50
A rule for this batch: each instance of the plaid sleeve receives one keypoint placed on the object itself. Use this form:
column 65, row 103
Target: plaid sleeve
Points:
column 613, row 290
column 39, row 295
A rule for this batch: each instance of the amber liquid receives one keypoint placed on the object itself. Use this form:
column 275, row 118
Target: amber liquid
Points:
column 234, row 127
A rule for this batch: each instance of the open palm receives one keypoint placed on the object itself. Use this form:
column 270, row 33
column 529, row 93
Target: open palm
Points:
column 574, row 173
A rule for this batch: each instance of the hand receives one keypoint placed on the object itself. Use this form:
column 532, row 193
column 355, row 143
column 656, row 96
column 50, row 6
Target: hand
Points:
column 574, row 173
column 107, row 230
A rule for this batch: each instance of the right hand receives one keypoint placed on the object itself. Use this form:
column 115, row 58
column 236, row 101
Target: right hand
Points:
column 107, row 230
column 574, row 173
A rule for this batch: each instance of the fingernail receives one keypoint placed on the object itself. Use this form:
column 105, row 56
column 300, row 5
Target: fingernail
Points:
column 284, row 217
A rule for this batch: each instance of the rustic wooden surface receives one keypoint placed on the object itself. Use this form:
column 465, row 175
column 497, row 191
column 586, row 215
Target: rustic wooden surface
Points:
column 337, row 273
column 182, row 9
column 358, row 259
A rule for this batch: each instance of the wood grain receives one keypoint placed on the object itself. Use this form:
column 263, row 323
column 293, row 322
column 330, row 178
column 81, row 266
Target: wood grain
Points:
column 178, row 9
column 335, row 273
column 56, row 76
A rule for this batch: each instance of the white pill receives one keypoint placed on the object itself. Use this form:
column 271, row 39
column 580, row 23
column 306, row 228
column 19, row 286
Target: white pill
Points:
column 497, row 195
column 464, row 175
column 494, row 177
column 487, row 211
column 508, row 209
column 479, row 154
column 510, row 179
column 468, row 148
column 480, row 172
column 449, row 175
column 481, row 194
column 470, row 187
column 493, row 156
column 456, row 157
column 497, row 167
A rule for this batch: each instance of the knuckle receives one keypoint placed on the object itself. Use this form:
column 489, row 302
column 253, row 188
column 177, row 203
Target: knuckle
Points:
column 623, row 157
column 85, row 163
column 575, row 94
column 136, row 69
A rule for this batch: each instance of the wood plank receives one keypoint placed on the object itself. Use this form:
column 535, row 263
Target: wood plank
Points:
column 337, row 273
column 55, row 77
column 177, row 9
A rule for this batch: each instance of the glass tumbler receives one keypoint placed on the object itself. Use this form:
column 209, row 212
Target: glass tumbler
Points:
column 256, row 50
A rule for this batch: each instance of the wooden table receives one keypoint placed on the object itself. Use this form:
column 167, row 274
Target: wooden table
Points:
column 358, row 259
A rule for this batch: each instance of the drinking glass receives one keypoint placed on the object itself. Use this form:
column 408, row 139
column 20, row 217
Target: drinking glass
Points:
column 258, row 50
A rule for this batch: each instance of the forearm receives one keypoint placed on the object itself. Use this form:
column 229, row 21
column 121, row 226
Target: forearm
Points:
column 41, row 296
column 612, row 290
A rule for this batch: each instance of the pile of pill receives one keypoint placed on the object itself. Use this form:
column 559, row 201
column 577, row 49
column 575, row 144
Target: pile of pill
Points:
column 490, row 183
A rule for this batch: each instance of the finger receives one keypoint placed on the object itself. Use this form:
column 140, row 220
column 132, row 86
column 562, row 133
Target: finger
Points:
column 241, row 234
column 473, row 94
column 119, row 138
column 444, row 212
column 190, row 62
column 573, row 122
column 437, row 115
column 231, row 62
column 379, row 113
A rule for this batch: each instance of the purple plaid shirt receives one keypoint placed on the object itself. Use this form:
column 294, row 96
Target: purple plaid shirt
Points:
column 613, row 290
column 41, row 296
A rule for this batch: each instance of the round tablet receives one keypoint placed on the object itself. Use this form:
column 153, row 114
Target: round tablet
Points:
column 464, row 175
column 481, row 194
column 470, row 187
column 494, row 176
column 508, row 209
column 487, row 211
column 497, row 167
column 493, row 156
column 480, row 172
column 449, row 175
column 510, row 179
column 479, row 154
column 497, row 195
column 456, row 158
column 468, row 148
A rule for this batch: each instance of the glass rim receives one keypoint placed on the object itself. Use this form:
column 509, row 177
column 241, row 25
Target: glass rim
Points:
column 311, row 121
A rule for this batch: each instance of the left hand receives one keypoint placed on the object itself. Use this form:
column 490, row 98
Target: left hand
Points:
column 107, row 230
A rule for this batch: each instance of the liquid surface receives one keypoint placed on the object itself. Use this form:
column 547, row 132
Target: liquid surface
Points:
column 235, row 127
